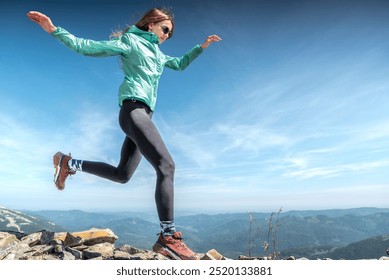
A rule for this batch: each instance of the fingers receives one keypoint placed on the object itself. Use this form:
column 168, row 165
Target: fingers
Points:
column 34, row 16
column 43, row 20
column 210, row 39
column 214, row 38
column 38, row 17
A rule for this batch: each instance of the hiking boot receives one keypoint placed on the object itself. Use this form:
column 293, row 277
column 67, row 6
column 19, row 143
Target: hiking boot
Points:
column 174, row 248
column 62, row 171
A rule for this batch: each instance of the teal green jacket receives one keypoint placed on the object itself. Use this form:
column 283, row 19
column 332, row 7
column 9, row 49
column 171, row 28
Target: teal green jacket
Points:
column 142, row 60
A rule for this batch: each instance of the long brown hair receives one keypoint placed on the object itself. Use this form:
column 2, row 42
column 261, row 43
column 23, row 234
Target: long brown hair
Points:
column 154, row 15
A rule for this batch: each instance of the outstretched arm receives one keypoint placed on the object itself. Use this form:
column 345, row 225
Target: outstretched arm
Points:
column 180, row 63
column 210, row 39
column 43, row 20
column 80, row 45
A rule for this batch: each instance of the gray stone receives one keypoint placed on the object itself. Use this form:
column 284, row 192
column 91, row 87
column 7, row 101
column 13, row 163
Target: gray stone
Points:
column 87, row 255
column 46, row 237
column 76, row 253
column 246, row 258
column 120, row 255
column 38, row 238
column 73, row 241
column 104, row 250
column 67, row 256
column 7, row 239
column 96, row 259
column 32, row 239
column 212, row 255
column 148, row 255
column 92, row 236
column 57, row 246
column 129, row 249
column 42, row 249
column 14, row 252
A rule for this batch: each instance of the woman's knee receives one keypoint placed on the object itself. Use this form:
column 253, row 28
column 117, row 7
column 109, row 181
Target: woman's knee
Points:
column 167, row 167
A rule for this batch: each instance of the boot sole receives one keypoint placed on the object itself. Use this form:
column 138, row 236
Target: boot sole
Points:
column 167, row 252
column 160, row 249
column 58, row 167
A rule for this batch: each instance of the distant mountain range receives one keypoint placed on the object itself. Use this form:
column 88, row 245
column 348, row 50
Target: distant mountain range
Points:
column 371, row 248
column 338, row 234
column 12, row 220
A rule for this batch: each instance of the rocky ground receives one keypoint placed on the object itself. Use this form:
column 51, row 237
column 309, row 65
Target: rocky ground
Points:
column 93, row 244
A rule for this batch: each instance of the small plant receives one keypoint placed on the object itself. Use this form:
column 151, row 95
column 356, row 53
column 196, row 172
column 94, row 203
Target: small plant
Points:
column 273, row 227
column 252, row 224
column 269, row 246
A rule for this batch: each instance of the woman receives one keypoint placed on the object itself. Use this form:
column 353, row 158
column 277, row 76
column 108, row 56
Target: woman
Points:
column 143, row 63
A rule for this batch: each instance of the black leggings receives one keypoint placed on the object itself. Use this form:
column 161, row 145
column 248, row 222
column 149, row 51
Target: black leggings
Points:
column 142, row 138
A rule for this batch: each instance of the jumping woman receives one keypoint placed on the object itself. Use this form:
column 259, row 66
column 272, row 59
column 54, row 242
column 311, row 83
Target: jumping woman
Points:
column 142, row 64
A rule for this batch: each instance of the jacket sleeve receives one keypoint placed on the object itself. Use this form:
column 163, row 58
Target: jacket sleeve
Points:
column 180, row 63
column 90, row 47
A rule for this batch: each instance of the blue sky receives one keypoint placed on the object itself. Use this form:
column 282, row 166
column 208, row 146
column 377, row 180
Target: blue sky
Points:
column 289, row 110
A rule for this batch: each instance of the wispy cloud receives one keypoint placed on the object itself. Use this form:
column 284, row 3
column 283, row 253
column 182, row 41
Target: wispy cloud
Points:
column 248, row 138
column 191, row 144
column 335, row 170
column 94, row 132
column 21, row 148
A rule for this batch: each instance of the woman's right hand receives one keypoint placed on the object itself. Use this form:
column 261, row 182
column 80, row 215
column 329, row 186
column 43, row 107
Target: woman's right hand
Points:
column 43, row 20
column 210, row 39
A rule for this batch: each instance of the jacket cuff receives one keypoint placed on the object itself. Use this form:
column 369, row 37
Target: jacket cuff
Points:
column 56, row 31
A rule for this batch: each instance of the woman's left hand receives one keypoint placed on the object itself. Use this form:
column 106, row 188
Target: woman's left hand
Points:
column 43, row 20
column 210, row 39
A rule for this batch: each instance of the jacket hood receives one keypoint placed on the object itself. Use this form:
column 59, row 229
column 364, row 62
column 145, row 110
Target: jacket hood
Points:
column 149, row 36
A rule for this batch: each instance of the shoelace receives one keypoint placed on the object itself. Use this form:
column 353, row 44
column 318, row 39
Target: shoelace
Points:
column 68, row 170
column 180, row 243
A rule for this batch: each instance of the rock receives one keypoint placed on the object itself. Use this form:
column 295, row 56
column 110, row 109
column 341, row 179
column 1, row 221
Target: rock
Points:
column 213, row 255
column 73, row 241
column 89, row 255
column 7, row 239
column 42, row 250
column 245, row 258
column 130, row 250
column 19, row 235
column 32, row 239
column 127, row 252
column 57, row 245
column 96, row 259
column 148, row 255
column 38, row 238
column 104, row 250
column 68, row 256
column 76, row 253
column 14, row 252
column 92, row 236
column 120, row 255
column 36, row 253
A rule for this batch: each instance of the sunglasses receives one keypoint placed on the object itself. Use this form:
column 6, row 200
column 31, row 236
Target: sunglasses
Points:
column 165, row 30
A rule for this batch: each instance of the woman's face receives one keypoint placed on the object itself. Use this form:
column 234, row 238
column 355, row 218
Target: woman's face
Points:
column 162, row 29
